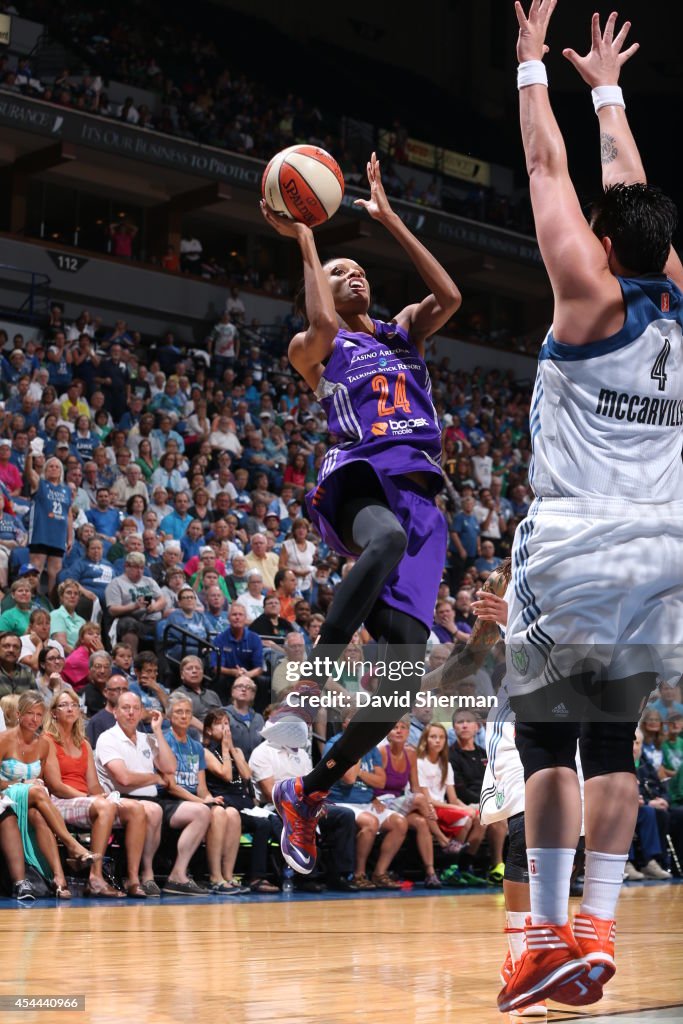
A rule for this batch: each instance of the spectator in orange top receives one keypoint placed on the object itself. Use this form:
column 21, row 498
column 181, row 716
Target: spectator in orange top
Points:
column 285, row 589
column 77, row 794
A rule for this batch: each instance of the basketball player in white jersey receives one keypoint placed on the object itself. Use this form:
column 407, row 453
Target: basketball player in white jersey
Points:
column 597, row 595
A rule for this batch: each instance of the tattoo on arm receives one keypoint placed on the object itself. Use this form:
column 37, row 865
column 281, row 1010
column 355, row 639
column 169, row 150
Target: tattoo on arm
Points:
column 608, row 148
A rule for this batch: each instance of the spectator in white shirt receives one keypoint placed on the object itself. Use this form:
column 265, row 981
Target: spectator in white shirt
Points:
column 483, row 465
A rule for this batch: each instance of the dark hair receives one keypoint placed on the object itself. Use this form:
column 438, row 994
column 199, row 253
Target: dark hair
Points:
column 129, row 503
column 145, row 658
column 213, row 716
column 640, row 220
column 43, row 654
column 277, row 579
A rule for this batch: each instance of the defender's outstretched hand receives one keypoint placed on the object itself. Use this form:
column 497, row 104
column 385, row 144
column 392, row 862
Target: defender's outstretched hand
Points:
column 603, row 64
column 377, row 205
column 533, row 28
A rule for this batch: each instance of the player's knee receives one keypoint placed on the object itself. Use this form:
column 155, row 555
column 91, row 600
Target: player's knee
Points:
column 516, row 868
column 544, row 745
column 391, row 544
column 607, row 747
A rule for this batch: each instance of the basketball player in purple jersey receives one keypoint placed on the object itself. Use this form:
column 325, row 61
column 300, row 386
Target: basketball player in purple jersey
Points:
column 374, row 500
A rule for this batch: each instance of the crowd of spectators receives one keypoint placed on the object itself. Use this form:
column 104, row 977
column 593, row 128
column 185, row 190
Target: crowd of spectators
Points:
column 180, row 579
column 203, row 97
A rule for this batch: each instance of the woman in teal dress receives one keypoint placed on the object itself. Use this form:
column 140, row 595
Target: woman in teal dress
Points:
column 23, row 753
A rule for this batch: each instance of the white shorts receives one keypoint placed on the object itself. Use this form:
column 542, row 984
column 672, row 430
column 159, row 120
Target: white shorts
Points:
column 370, row 808
column 502, row 791
column 595, row 580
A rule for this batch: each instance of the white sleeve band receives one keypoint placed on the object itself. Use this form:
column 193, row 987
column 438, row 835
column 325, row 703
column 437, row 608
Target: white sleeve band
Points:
column 607, row 96
column 531, row 72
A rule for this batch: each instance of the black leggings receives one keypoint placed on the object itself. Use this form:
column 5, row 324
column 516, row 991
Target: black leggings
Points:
column 369, row 526
column 260, row 830
column 600, row 714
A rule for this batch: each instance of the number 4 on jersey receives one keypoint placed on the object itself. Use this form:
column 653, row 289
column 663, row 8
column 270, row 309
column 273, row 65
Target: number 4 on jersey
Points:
column 658, row 371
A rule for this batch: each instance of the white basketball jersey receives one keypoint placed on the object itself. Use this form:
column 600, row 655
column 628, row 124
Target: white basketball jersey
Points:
column 606, row 418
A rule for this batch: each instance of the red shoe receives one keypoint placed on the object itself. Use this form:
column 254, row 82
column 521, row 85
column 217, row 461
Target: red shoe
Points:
column 595, row 938
column 507, row 970
column 551, row 963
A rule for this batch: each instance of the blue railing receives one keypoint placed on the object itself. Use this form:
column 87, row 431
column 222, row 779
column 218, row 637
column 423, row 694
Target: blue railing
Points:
column 33, row 287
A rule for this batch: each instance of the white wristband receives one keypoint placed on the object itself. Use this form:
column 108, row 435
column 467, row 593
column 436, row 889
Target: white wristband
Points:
column 531, row 72
column 607, row 96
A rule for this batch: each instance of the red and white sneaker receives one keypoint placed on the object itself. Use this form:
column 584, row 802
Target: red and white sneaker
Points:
column 595, row 938
column 551, row 963
column 507, row 970
column 536, row 1009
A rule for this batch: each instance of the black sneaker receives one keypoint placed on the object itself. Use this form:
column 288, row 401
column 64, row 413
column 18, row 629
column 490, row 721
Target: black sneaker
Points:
column 150, row 888
column 189, row 888
column 308, row 885
column 23, row 891
column 343, row 884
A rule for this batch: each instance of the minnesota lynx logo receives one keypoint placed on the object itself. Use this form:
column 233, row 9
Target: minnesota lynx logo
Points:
column 520, row 659
column 500, row 798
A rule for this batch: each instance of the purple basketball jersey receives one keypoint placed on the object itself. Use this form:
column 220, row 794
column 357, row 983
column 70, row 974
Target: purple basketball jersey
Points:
column 376, row 393
column 377, row 396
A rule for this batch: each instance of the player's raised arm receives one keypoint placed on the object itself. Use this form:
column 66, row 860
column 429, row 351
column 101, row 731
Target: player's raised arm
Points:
column 574, row 258
column 619, row 154
column 421, row 319
column 308, row 349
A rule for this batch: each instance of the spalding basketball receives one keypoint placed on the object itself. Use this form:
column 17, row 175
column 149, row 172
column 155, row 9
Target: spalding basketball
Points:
column 304, row 183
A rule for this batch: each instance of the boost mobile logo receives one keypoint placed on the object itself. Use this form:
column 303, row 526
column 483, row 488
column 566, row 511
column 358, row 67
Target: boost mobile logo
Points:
column 406, row 426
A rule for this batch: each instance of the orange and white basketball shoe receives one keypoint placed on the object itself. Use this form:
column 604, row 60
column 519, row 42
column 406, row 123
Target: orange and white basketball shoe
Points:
column 507, row 970
column 595, row 938
column 550, row 965
column 536, row 1009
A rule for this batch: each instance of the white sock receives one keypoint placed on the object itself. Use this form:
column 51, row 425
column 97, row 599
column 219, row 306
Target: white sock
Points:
column 604, row 875
column 550, row 872
column 516, row 942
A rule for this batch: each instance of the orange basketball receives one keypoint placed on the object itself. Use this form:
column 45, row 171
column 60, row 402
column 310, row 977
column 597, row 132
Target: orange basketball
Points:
column 304, row 183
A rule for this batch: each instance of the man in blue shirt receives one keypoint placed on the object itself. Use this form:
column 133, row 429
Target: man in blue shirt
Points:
column 165, row 433
column 240, row 651
column 175, row 524
column 104, row 518
column 356, row 792
column 487, row 561
column 216, row 613
column 464, row 544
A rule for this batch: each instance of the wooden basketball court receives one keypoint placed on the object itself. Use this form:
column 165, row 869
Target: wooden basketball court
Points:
column 402, row 958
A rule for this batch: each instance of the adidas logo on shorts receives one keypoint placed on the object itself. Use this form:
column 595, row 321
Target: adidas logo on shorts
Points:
column 561, row 710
